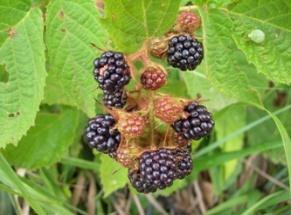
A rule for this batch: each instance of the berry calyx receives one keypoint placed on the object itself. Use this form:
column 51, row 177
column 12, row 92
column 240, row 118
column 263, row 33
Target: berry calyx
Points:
column 167, row 109
column 115, row 99
column 153, row 77
column 184, row 52
column 188, row 21
column 131, row 125
column 158, row 46
column 111, row 71
column 100, row 135
column 198, row 124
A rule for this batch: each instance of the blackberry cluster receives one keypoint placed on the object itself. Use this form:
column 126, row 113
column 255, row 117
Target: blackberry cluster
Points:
column 184, row 52
column 117, row 99
column 112, row 73
column 158, row 169
column 100, row 134
column 198, row 124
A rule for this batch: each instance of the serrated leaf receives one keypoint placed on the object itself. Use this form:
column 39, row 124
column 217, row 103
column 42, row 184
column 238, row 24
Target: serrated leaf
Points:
column 73, row 33
column 273, row 56
column 130, row 23
column 48, row 140
column 113, row 176
column 22, row 55
column 11, row 12
column 224, row 64
column 198, row 84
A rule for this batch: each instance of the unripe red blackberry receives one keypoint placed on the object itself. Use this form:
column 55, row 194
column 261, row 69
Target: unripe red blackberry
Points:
column 198, row 124
column 153, row 77
column 131, row 125
column 188, row 21
column 100, row 134
column 127, row 153
column 115, row 99
column 167, row 109
column 111, row 71
column 184, row 52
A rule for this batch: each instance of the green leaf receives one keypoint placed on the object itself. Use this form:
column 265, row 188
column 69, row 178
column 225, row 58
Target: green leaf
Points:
column 228, row 121
column 273, row 56
column 113, row 176
column 22, row 54
column 224, row 65
column 286, row 142
column 130, row 23
column 198, row 84
column 48, row 140
column 11, row 12
column 37, row 200
column 73, row 33
column 270, row 200
column 215, row 159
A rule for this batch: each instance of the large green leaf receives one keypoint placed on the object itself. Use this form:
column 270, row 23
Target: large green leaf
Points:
column 130, row 23
column 22, row 54
column 273, row 56
column 113, row 176
column 73, row 33
column 48, row 140
column 224, row 64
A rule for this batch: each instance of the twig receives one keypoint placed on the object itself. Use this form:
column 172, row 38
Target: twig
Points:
column 91, row 203
column 266, row 175
column 199, row 197
column 78, row 190
column 138, row 204
column 157, row 206
column 118, row 209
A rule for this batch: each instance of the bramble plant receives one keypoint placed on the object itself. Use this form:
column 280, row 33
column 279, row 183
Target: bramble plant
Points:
column 156, row 159
column 102, row 101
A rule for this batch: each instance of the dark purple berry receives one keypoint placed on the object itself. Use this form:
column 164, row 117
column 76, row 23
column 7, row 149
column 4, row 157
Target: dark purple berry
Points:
column 100, row 135
column 184, row 52
column 111, row 71
column 198, row 124
column 115, row 99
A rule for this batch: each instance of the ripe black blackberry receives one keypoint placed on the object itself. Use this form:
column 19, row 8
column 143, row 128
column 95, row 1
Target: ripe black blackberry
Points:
column 184, row 52
column 111, row 71
column 115, row 99
column 183, row 161
column 158, row 167
column 198, row 124
column 139, row 183
column 100, row 135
